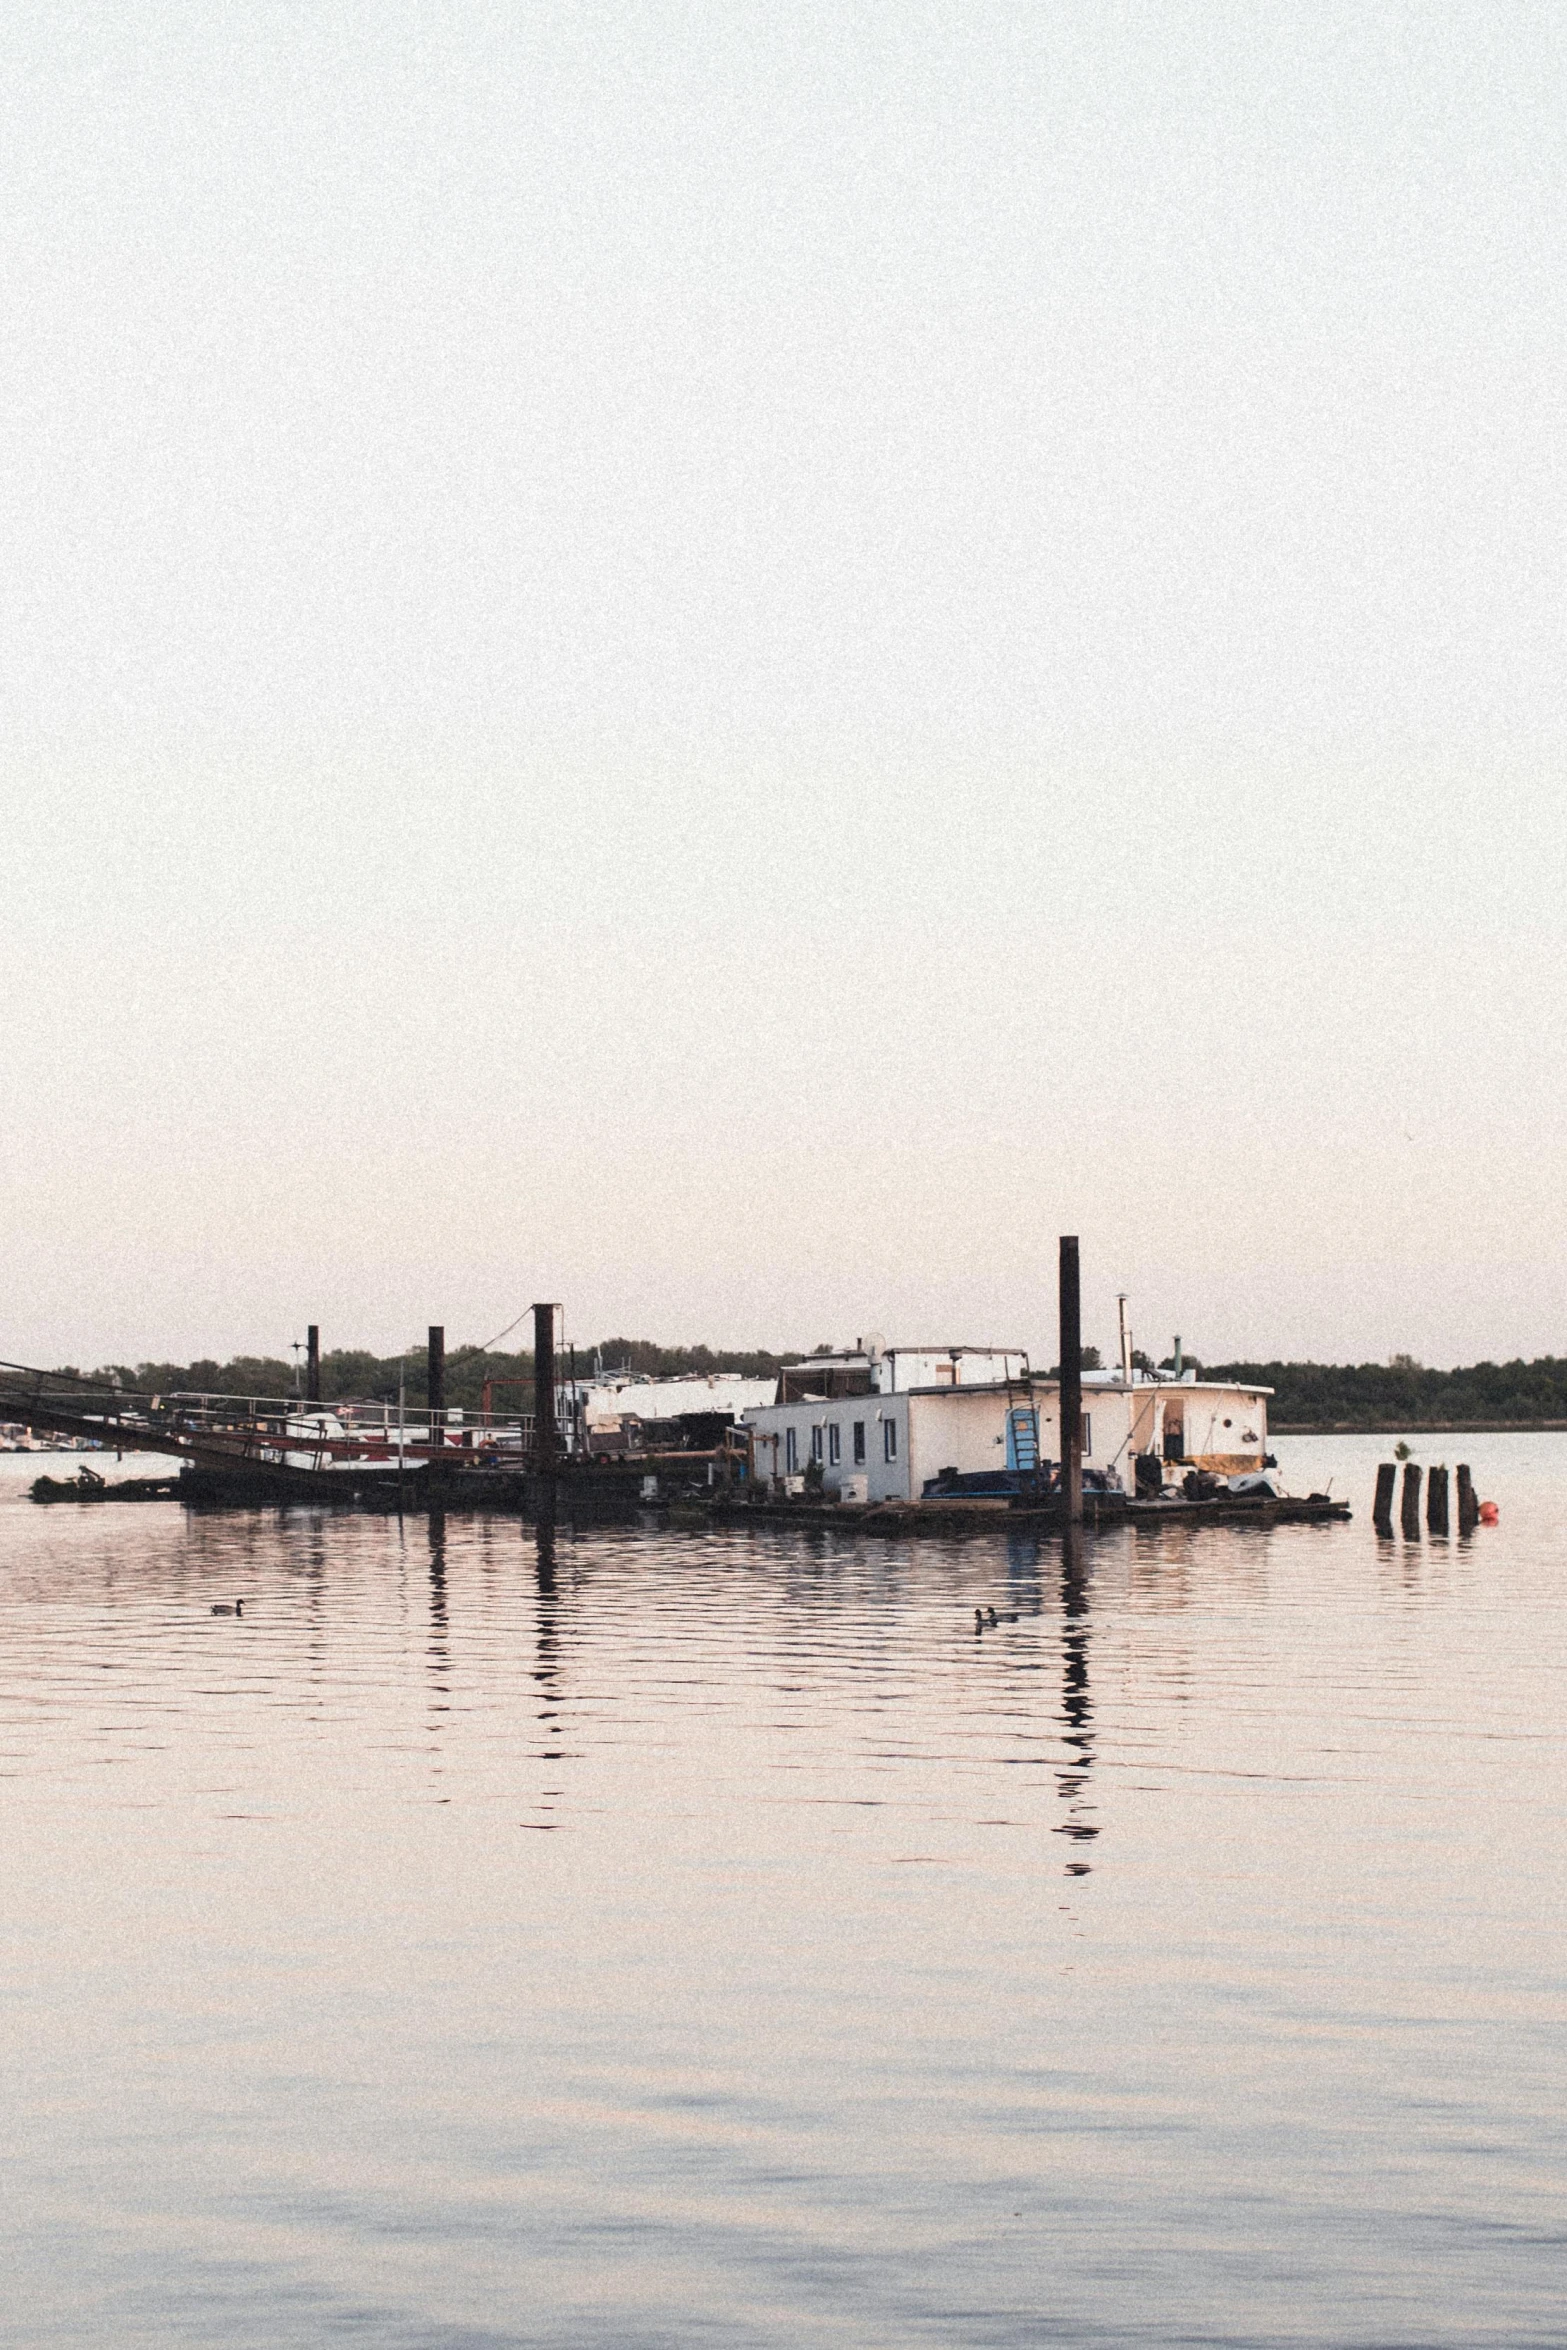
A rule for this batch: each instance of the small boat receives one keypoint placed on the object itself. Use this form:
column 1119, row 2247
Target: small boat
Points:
column 87, row 1485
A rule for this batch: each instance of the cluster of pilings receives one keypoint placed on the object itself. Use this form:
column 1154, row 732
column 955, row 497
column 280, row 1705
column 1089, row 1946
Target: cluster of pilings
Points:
column 1436, row 1500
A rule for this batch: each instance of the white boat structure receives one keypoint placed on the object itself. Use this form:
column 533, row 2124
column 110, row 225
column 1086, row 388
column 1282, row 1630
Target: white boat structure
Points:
column 906, row 1424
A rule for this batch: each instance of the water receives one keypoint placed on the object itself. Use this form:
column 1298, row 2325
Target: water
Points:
column 707, row 1938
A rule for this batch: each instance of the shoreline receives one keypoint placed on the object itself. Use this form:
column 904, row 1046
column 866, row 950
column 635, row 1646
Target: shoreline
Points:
column 1494, row 1427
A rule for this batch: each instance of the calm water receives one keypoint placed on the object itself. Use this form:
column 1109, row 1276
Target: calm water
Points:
column 705, row 1938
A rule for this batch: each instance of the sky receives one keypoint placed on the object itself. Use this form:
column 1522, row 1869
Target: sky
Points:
column 731, row 664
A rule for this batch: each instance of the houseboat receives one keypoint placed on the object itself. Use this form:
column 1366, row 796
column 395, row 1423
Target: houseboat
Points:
column 906, row 1424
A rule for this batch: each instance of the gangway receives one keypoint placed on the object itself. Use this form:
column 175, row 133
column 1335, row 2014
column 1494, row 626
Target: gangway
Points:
column 263, row 1436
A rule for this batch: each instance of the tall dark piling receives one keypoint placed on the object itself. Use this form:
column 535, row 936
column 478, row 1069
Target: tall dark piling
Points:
column 435, row 1382
column 1071, row 1316
column 1382, row 1507
column 546, row 1432
column 1411, row 1502
column 1468, row 1505
column 313, row 1364
column 1436, row 1501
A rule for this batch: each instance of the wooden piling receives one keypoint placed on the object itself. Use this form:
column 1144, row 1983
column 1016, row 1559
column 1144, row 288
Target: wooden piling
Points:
column 312, row 1364
column 1468, row 1505
column 1436, row 1502
column 435, row 1383
column 1411, row 1502
column 546, row 1434
column 1382, row 1507
column 1071, row 1340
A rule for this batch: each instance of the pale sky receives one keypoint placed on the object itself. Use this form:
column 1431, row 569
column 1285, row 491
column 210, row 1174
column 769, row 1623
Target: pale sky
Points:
column 732, row 663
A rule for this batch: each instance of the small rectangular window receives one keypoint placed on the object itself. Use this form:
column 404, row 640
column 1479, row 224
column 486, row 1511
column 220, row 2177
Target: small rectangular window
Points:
column 889, row 1440
column 816, row 1443
column 834, row 1445
column 791, row 1452
column 859, row 1444
column 1088, row 1435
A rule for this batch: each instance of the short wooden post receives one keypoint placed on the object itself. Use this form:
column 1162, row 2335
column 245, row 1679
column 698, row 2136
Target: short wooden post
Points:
column 1382, row 1507
column 1468, row 1506
column 1436, row 1501
column 1411, row 1503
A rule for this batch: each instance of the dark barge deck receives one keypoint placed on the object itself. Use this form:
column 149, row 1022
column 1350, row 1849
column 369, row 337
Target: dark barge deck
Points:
column 1099, row 1511
column 606, row 1491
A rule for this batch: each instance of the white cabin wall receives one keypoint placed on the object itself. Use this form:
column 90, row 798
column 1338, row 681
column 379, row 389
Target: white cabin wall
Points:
column 1109, row 1418
column 1145, row 1418
column 956, row 1428
column 885, row 1480
column 1227, row 1424
column 965, row 1428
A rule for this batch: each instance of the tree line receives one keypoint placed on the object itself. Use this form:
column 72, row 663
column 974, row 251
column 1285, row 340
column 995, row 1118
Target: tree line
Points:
column 1399, row 1393
column 354, row 1371
column 1404, row 1394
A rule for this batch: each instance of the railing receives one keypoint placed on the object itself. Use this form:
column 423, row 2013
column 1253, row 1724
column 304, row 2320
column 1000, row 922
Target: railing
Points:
column 265, row 1431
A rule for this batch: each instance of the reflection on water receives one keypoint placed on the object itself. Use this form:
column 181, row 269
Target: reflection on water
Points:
column 1174, row 1958
column 1077, row 1710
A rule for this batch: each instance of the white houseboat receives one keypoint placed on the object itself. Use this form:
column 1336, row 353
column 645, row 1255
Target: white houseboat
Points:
column 887, row 1424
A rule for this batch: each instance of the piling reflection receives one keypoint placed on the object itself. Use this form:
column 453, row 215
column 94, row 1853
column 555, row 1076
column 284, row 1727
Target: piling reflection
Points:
column 546, row 1666
column 439, row 1643
column 544, row 1558
column 1023, row 1555
column 1077, row 1707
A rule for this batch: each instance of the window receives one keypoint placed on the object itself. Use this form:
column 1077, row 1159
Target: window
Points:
column 816, row 1442
column 889, row 1440
column 834, row 1445
column 1088, row 1436
column 859, row 1444
column 791, row 1452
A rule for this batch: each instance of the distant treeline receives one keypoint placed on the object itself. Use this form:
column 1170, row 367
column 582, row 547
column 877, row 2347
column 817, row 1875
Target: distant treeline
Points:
column 352, row 1371
column 1397, row 1394
column 1404, row 1394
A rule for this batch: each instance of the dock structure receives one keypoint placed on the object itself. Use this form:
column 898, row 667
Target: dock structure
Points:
column 279, row 1438
column 878, row 1436
column 249, row 1448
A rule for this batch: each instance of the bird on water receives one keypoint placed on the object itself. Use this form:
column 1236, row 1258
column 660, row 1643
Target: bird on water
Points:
column 220, row 1607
